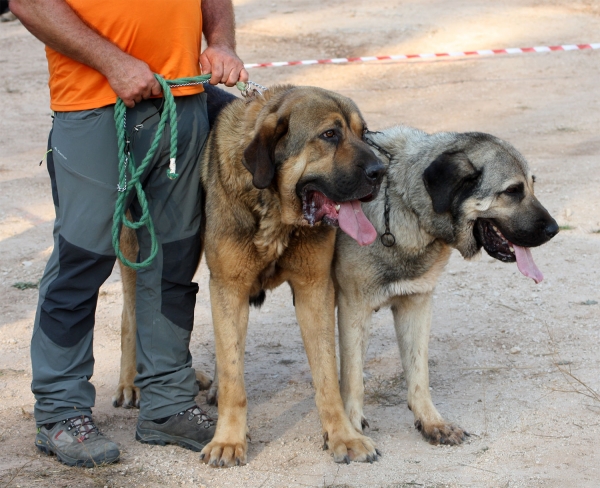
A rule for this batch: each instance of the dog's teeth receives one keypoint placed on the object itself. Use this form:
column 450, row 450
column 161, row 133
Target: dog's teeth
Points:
column 337, row 207
column 512, row 249
column 498, row 232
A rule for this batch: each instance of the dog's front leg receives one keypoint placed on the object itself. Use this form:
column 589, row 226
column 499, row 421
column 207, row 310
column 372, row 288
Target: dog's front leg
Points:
column 316, row 315
column 354, row 323
column 229, row 304
column 412, row 320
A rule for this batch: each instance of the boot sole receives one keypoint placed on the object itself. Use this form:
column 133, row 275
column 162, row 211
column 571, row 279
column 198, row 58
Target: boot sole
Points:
column 162, row 439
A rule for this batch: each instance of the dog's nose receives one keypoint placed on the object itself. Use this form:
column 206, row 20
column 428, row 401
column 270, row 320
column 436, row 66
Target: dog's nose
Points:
column 375, row 172
column 551, row 229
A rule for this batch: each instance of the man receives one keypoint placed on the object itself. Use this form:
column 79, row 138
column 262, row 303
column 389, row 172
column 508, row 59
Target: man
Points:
column 97, row 51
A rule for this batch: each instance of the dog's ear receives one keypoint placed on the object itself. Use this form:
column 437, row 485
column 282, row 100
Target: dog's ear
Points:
column 259, row 156
column 451, row 174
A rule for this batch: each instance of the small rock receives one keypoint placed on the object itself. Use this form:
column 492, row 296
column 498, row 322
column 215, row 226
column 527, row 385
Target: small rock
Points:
column 515, row 350
column 26, row 263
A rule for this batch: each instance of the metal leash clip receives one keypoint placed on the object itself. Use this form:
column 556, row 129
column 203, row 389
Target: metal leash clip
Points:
column 250, row 89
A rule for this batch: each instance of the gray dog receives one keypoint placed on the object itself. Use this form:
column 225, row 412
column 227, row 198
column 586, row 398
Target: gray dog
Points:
column 445, row 190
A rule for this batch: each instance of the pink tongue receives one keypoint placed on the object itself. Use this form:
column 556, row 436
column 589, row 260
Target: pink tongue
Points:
column 526, row 265
column 353, row 222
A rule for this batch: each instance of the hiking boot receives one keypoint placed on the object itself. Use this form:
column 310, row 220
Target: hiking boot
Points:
column 192, row 429
column 76, row 442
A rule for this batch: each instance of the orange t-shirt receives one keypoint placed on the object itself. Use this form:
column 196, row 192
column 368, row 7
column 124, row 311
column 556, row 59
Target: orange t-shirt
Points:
column 166, row 34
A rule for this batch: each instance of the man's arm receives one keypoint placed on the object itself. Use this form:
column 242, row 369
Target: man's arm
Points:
column 219, row 58
column 55, row 24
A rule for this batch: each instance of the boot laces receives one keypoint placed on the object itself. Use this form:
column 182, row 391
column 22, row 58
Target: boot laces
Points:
column 202, row 416
column 83, row 426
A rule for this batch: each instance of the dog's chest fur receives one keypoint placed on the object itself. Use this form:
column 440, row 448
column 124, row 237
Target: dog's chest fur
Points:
column 272, row 237
column 412, row 274
column 279, row 245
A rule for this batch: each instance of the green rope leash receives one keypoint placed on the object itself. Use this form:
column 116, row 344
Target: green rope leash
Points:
column 127, row 164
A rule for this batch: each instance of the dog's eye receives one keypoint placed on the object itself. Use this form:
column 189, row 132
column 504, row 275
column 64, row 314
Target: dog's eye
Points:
column 328, row 134
column 514, row 189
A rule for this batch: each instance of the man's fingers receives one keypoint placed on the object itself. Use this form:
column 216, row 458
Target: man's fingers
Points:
column 217, row 74
column 156, row 88
column 146, row 92
column 236, row 75
column 205, row 66
column 233, row 78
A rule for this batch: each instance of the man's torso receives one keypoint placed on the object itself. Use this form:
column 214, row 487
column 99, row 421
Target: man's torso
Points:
column 166, row 34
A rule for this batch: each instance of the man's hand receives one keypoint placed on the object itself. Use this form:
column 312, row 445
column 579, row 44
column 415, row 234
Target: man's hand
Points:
column 224, row 65
column 132, row 80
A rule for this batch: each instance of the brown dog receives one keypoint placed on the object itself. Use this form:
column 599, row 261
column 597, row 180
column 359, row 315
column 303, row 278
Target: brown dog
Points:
column 277, row 170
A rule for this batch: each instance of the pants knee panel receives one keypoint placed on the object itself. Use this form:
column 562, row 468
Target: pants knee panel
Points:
column 67, row 312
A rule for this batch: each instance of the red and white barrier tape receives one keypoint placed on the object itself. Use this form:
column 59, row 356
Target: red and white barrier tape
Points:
column 400, row 57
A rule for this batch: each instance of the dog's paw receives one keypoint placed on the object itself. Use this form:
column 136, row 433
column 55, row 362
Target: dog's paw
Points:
column 351, row 446
column 212, row 396
column 204, row 381
column 224, row 454
column 126, row 396
column 442, row 433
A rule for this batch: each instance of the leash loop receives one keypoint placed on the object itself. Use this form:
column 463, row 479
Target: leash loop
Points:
column 130, row 174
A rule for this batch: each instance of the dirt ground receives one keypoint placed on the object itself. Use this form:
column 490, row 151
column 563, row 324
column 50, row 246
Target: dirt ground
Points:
column 511, row 361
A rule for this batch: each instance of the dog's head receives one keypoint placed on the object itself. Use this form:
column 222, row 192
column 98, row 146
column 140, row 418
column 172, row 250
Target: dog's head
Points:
column 308, row 148
column 485, row 187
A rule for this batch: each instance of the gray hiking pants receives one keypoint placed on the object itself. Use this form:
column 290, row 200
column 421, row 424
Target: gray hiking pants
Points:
column 84, row 175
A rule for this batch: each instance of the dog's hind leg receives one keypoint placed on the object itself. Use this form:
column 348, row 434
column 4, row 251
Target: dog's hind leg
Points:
column 126, row 393
column 354, row 324
column 212, row 396
column 203, row 380
column 412, row 320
